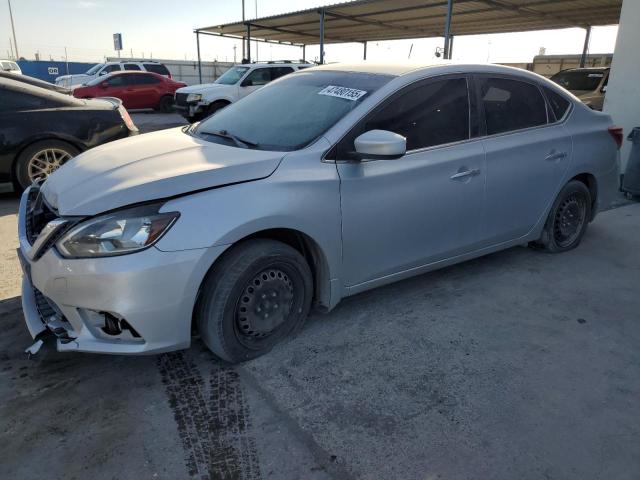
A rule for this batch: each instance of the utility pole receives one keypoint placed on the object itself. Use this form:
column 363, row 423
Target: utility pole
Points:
column 244, row 53
column 13, row 28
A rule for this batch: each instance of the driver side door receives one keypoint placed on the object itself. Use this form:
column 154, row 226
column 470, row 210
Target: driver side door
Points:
column 400, row 215
column 254, row 80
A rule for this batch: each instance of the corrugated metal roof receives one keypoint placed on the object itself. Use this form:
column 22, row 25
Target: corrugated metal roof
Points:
column 368, row 20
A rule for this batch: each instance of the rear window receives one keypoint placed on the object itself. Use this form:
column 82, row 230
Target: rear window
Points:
column 587, row 80
column 511, row 105
column 156, row 68
column 145, row 79
column 12, row 101
column 131, row 66
column 559, row 104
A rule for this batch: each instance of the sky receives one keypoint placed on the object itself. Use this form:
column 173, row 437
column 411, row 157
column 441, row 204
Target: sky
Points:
column 163, row 29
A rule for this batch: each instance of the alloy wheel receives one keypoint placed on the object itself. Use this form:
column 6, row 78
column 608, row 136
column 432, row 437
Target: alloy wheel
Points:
column 45, row 162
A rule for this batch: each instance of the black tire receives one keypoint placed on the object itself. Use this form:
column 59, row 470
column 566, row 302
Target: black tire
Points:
column 215, row 106
column 21, row 169
column 253, row 281
column 568, row 219
column 166, row 104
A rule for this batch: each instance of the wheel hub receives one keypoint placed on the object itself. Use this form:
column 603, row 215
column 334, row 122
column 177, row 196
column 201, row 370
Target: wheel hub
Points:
column 45, row 162
column 570, row 218
column 265, row 303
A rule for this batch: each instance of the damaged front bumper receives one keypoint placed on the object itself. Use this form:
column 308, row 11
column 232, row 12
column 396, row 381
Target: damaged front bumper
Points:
column 139, row 303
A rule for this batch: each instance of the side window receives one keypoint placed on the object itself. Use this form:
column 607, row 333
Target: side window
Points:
column 110, row 68
column 131, row 66
column 156, row 68
column 260, row 76
column 511, row 105
column 12, row 101
column 145, row 79
column 119, row 81
column 430, row 114
column 278, row 72
column 559, row 104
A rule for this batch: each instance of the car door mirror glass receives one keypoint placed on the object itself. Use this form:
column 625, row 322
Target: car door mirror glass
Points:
column 380, row 145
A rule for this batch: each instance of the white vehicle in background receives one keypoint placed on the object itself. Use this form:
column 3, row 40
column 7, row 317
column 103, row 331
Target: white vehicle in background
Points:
column 102, row 69
column 10, row 66
column 198, row 101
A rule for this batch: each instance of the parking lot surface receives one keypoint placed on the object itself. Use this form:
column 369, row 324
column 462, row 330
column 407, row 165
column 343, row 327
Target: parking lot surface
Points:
column 517, row 365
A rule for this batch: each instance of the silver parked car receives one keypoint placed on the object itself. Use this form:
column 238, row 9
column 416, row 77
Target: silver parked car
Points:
column 239, row 224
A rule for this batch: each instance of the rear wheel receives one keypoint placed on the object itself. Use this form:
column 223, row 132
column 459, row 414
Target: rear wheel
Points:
column 568, row 219
column 41, row 159
column 257, row 294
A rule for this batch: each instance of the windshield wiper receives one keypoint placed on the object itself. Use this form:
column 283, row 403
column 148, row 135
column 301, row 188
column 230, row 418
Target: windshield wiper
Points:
column 240, row 142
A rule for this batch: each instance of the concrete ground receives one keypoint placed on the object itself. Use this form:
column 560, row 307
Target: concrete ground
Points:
column 519, row 365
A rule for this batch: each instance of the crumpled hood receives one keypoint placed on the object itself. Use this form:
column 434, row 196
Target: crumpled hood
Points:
column 148, row 167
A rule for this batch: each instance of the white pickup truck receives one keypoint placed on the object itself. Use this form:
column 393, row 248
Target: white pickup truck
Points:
column 198, row 101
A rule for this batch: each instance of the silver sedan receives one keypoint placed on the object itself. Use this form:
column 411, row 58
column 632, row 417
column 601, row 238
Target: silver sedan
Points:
column 323, row 184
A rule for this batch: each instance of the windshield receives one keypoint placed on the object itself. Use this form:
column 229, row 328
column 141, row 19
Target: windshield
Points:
column 93, row 70
column 290, row 113
column 231, row 76
column 579, row 79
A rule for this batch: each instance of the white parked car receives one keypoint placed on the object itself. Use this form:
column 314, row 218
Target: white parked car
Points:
column 198, row 101
column 10, row 66
column 102, row 69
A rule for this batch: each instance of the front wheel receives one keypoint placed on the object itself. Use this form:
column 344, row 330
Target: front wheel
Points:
column 258, row 293
column 166, row 104
column 568, row 219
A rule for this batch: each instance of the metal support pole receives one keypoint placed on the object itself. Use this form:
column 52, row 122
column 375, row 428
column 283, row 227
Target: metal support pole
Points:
column 450, row 46
column 199, row 61
column 304, row 54
column 244, row 45
column 13, row 28
column 585, row 49
column 248, row 43
column 364, row 56
column 321, row 36
column 447, row 28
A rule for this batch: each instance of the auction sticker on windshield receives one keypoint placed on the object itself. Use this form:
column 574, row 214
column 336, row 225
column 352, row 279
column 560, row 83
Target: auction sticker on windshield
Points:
column 352, row 94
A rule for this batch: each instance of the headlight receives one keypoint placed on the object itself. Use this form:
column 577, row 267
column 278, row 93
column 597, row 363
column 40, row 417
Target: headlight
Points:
column 117, row 233
column 194, row 97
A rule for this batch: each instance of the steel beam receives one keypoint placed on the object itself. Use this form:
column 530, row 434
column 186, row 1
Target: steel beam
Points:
column 364, row 55
column 585, row 48
column 199, row 61
column 447, row 28
column 321, row 36
column 248, row 42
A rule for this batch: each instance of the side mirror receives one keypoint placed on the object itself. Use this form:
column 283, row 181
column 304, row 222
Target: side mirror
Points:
column 102, row 72
column 604, row 89
column 380, row 145
column 103, row 85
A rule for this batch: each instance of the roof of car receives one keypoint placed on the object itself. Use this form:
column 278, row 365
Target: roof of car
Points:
column 402, row 68
column 18, row 85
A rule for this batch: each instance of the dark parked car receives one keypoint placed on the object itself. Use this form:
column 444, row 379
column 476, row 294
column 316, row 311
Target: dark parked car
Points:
column 135, row 89
column 36, row 82
column 41, row 129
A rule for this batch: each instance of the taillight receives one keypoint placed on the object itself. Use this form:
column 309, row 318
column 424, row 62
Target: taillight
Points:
column 617, row 134
column 127, row 119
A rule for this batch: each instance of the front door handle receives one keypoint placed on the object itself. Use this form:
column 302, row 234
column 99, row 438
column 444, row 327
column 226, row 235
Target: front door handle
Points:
column 553, row 156
column 465, row 173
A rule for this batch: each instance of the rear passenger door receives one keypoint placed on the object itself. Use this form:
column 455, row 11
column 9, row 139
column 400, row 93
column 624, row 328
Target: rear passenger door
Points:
column 147, row 90
column 527, row 154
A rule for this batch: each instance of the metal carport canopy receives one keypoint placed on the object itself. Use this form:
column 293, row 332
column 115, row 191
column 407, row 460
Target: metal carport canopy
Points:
column 370, row 20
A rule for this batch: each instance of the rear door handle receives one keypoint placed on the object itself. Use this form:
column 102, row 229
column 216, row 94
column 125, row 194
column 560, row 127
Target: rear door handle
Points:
column 465, row 173
column 553, row 156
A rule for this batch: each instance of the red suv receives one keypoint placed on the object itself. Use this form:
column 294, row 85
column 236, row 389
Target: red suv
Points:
column 135, row 89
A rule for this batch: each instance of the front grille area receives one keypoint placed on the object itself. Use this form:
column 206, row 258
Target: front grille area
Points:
column 181, row 99
column 38, row 214
column 43, row 306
